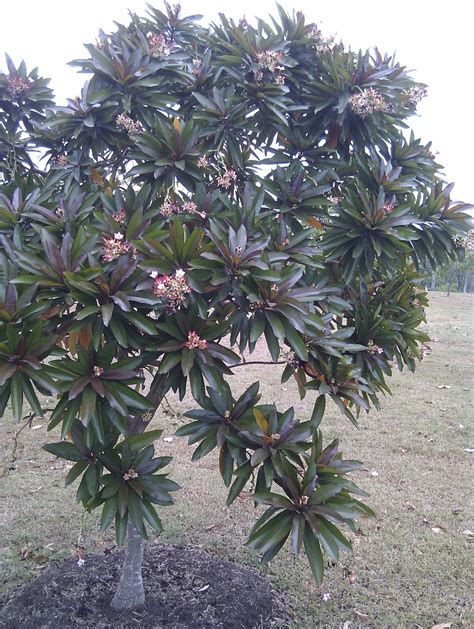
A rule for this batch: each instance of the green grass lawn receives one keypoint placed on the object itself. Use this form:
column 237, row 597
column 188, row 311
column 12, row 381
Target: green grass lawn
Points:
column 411, row 566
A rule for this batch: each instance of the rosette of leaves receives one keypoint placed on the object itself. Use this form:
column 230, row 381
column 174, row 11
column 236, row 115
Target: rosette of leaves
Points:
column 280, row 450
column 119, row 476
column 181, row 361
column 93, row 383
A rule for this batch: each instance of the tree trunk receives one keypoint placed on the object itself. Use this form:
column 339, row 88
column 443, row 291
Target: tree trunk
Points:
column 130, row 592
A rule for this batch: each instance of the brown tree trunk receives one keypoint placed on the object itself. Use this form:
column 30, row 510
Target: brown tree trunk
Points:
column 130, row 592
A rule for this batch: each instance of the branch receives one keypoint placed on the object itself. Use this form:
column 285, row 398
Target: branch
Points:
column 28, row 419
column 259, row 362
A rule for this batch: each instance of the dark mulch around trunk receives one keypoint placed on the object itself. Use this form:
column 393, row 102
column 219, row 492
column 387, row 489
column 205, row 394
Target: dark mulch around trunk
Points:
column 185, row 587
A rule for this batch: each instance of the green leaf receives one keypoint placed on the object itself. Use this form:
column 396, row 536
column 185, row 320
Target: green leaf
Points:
column 314, row 554
column 64, row 450
column 109, row 512
column 16, row 383
column 318, row 411
column 137, row 442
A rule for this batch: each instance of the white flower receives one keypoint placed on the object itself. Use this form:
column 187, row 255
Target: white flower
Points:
column 118, row 236
column 80, row 562
column 154, row 274
column 179, row 273
column 326, row 596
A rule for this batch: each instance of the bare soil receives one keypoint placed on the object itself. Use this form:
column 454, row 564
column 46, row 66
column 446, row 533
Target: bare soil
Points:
column 185, row 587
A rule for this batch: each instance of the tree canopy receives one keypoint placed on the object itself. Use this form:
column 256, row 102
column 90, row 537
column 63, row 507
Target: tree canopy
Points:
column 209, row 188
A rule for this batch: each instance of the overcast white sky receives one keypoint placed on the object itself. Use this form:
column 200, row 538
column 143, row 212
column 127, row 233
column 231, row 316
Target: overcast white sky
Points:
column 432, row 37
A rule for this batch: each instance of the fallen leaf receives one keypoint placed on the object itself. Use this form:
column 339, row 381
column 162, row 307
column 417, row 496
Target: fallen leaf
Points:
column 469, row 450
column 204, row 588
column 347, row 625
column 351, row 577
column 469, row 534
column 443, row 625
column 409, row 506
column 26, row 553
column 361, row 615
column 443, row 386
column 37, row 427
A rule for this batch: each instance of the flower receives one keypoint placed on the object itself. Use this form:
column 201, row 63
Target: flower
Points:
column 269, row 59
column 227, row 179
column 159, row 46
column 167, row 209
column 129, row 474
column 195, row 341
column 280, row 79
column 119, row 217
column 368, row 101
column 415, row 94
column 133, row 128
column 62, row 160
column 81, row 562
column 114, row 247
column 189, row 206
column 17, row 86
column 98, row 371
column 172, row 287
column 202, row 162
column 374, row 349
column 291, row 359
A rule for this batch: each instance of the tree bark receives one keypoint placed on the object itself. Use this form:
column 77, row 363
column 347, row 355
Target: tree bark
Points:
column 130, row 592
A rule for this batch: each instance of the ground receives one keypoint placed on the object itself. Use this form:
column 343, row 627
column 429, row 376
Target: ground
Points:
column 410, row 566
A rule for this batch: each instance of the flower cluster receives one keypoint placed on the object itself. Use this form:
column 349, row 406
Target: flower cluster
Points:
column 62, row 161
column 129, row 125
column 367, row 102
column 373, row 348
column 119, row 217
column 227, row 179
column 168, row 208
column 197, row 67
column 172, row 287
column 17, row 86
column 291, row 359
column 335, row 200
column 388, row 207
column 202, row 162
column 415, row 94
column 159, row 46
column 468, row 241
column 98, row 371
column 115, row 247
column 129, row 474
column 323, row 44
column 195, row 341
column 270, row 60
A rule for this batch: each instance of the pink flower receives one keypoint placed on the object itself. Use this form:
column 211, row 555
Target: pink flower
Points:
column 17, row 86
column 202, row 162
column 115, row 247
column 227, row 179
column 175, row 288
column 195, row 341
column 159, row 46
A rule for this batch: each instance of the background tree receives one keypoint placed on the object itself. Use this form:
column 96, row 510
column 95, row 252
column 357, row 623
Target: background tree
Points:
column 211, row 187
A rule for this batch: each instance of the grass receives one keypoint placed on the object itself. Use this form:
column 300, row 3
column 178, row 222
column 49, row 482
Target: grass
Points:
column 410, row 566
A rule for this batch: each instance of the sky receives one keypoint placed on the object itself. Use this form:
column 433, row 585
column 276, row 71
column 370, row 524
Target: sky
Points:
column 432, row 38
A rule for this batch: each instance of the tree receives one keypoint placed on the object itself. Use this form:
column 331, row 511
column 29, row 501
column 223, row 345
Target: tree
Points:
column 210, row 187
